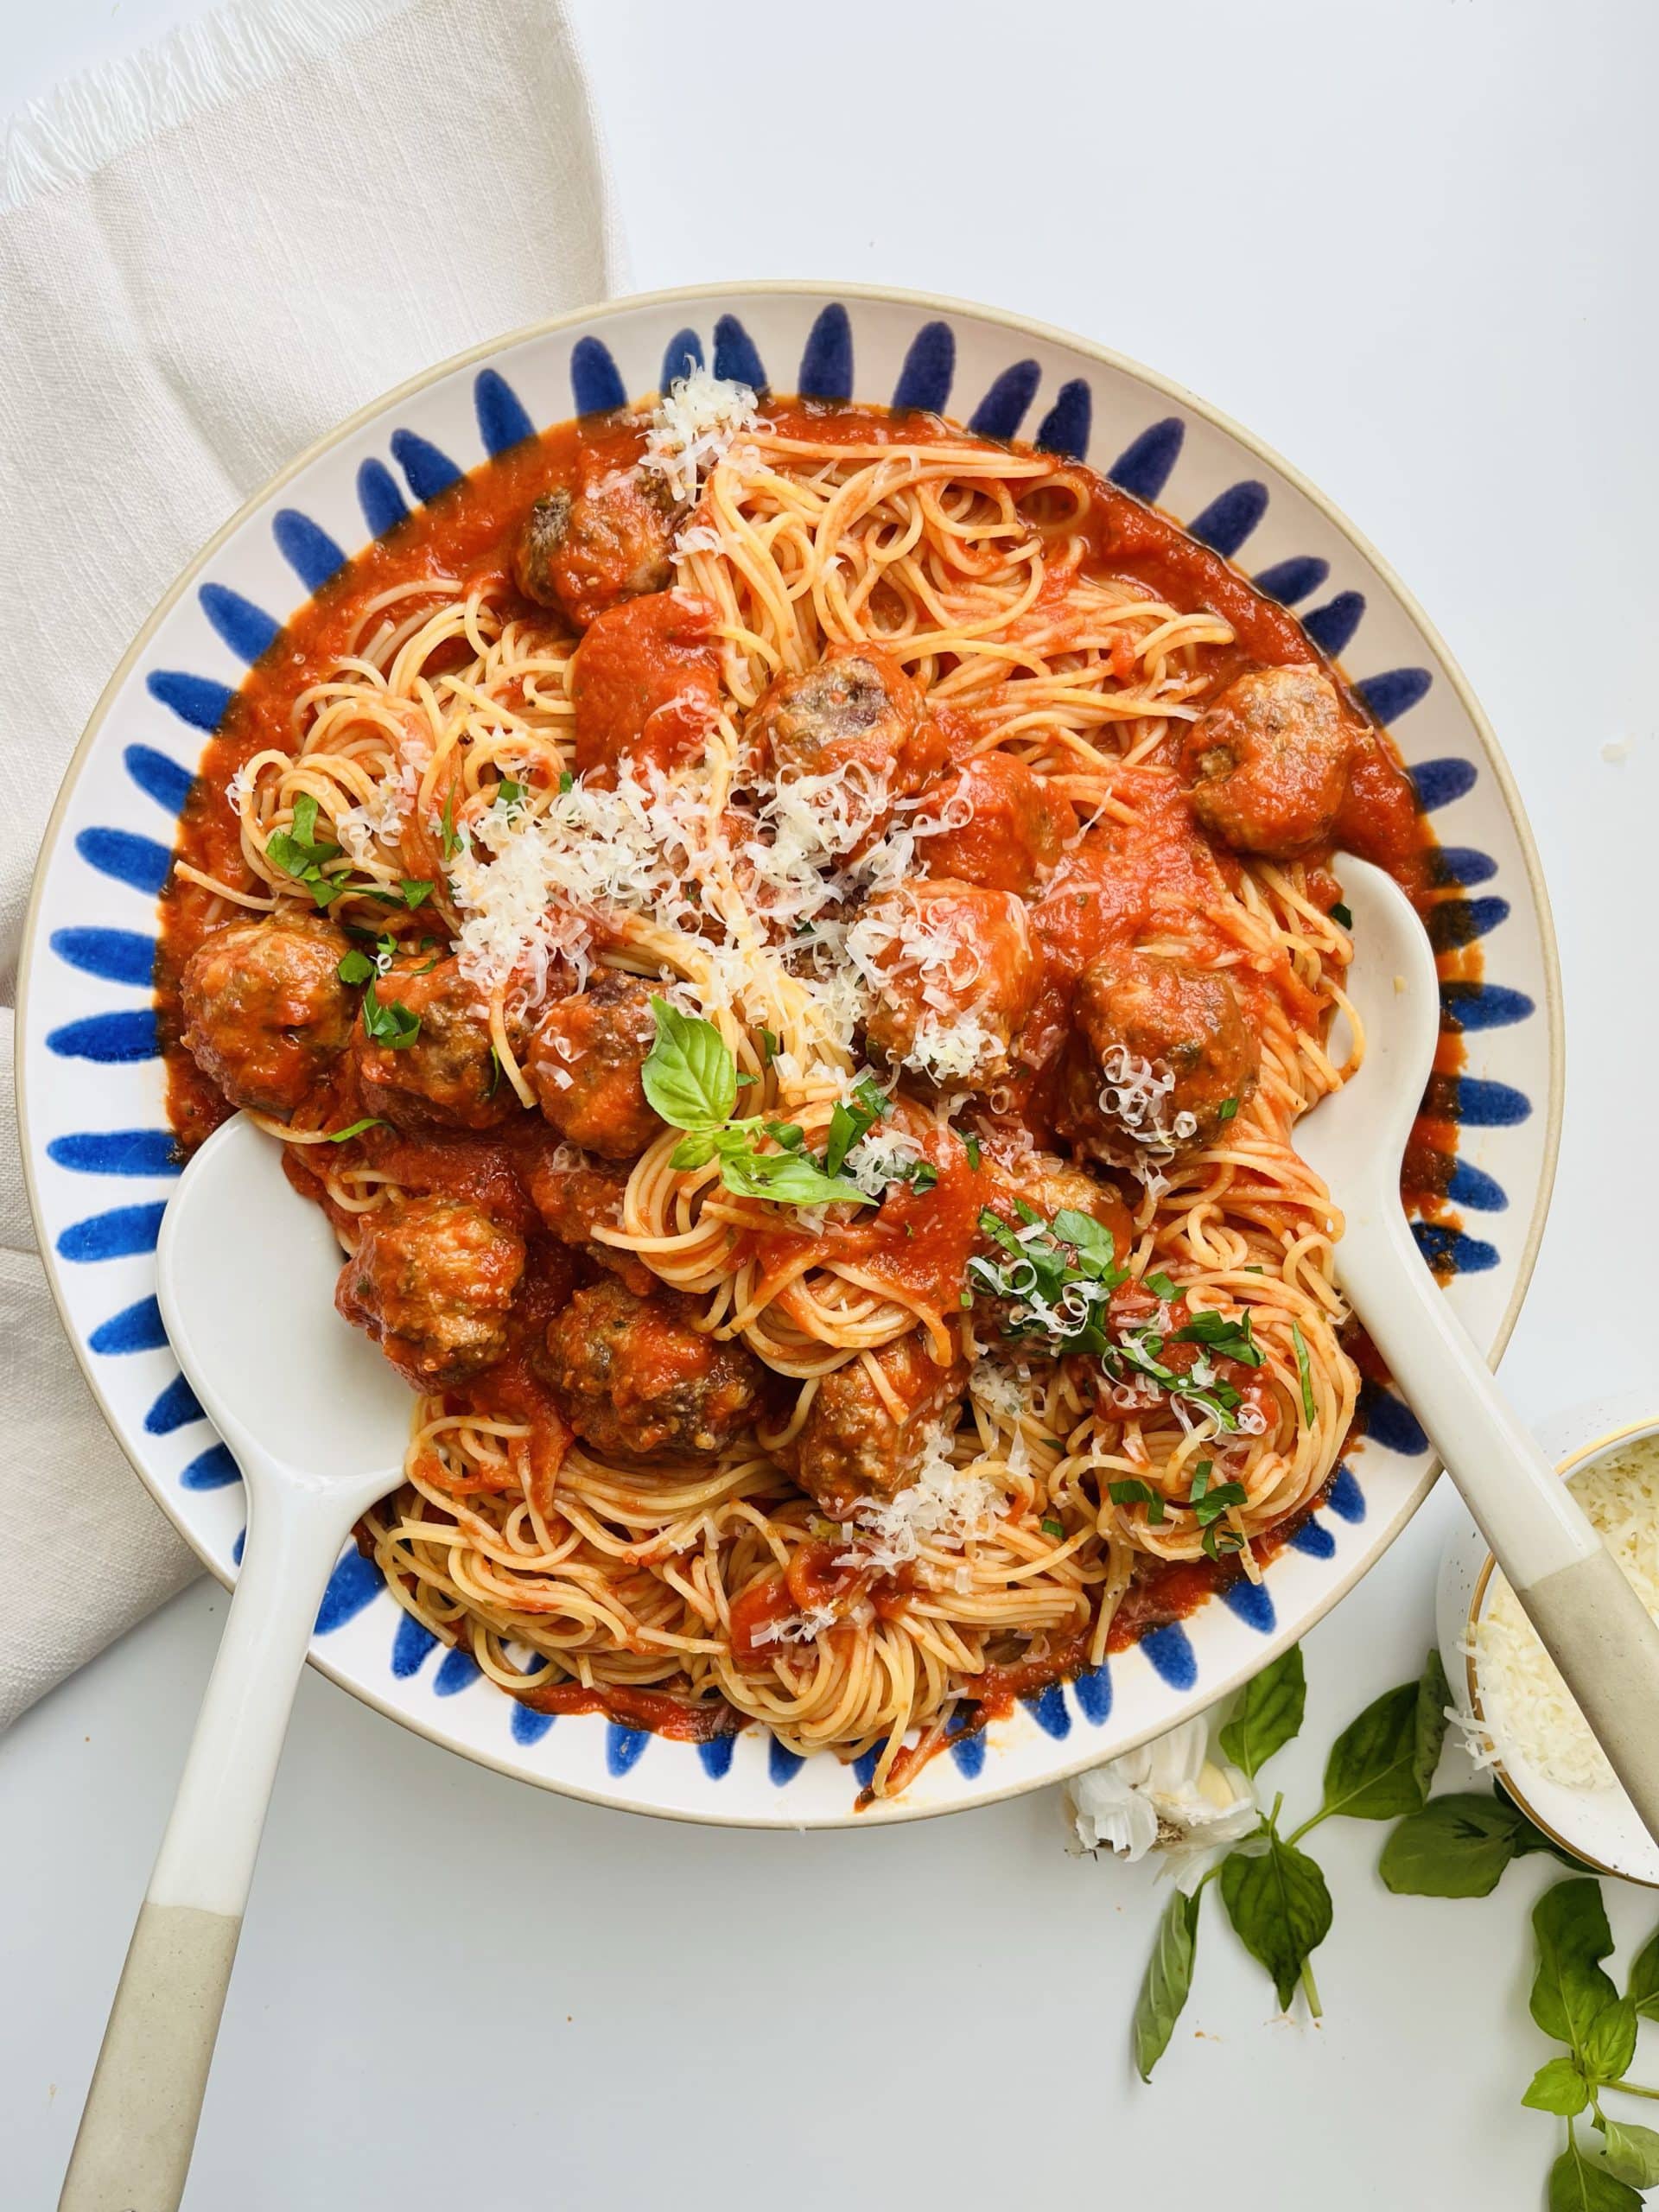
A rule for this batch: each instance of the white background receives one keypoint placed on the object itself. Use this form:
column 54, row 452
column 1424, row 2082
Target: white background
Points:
column 1409, row 242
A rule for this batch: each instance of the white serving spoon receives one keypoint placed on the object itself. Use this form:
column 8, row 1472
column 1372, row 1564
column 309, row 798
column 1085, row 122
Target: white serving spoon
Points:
column 1590, row 1621
column 317, row 1421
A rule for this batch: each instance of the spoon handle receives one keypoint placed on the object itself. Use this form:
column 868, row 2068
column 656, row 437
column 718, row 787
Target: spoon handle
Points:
column 138, row 2129
column 1589, row 1618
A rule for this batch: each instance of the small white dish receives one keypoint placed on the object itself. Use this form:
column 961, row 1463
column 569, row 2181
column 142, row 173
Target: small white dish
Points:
column 1599, row 1827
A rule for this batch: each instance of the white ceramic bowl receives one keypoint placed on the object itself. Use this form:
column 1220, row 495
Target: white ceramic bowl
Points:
column 1598, row 1826
column 95, row 1147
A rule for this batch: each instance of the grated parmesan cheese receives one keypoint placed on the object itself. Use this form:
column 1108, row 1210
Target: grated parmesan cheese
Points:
column 944, row 1506
column 691, row 427
column 1526, row 1704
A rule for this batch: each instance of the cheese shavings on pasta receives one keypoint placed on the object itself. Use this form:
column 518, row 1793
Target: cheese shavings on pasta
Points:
column 692, row 426
column 943, row 1509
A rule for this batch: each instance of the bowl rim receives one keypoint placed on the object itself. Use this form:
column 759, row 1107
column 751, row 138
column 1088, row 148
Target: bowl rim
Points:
column 1576, row 1462
column 934, row 303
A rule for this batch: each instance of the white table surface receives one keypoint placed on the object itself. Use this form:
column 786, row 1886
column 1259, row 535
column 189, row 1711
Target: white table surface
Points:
column 1410, row 243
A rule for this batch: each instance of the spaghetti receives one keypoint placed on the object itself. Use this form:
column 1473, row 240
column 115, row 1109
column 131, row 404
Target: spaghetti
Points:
column 980, row 1319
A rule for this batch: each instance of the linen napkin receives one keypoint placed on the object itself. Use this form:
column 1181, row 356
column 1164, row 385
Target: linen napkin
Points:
column 208, row 256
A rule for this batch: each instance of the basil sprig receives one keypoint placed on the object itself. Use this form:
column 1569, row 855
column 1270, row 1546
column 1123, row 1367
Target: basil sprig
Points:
column 299, row 852
column 691, row 1080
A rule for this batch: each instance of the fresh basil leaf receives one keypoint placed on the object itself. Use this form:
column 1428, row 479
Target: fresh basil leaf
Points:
column 850, row 1122
column 1456, row 1846
column 1558, row 2086
column 788, row 1179
column 1578, row 2185
column 1610, row 2042
column 1371, row 1774
column 1227, row 1109
column 1280, row 1908
column 1167, row 1982
column 1082, row 1229
column 356, row 1128
column 1304, row 1370
column 305, row 818
column 416, row 890
column 689, row 1076
column 1645, row 1980
column 921, row 1175
column 1268, row 1713
column 1632, row 2153
column 356, row 967
column 1160, row 1286
column 1433, row 1717
column 1570, row 1986
column 694, row 1151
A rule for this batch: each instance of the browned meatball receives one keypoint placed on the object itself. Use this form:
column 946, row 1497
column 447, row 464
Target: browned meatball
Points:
column 265, row 1013
column 584, row 1065
column 856, row 713
column 448, row 1077
column 850, row 1446
column 610, row 538
column 1015, row 830
column 432, row 1280
column 955, row 972
column 575, row 1196
column 1050, row 1186
column 1268, row 761
column 634, row 1378
column 1162, row 1056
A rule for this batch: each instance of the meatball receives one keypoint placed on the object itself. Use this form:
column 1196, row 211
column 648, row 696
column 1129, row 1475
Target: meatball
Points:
column 575, row 1195
column 1162, row 1055
column 432, row 1280
column 855, row 715
column 265, row 1014
column 1052, row 1186
column 447, row 1077
column 644, row 684
column 634, row 1378
column 955, row 972
column 1268, row 761
column 609, row 539
column 1006, row 831
column 584, row 1065
column 850, row 1446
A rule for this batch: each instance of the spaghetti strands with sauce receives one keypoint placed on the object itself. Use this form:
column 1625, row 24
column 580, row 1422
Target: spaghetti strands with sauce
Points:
column 792, row 943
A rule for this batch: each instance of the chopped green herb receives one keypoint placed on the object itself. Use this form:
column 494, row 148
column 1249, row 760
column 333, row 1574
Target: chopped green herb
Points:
column 1140, row 1493
column 847, row 1123
column 790, row 1135
column 416, row 891
column 920, row 1174
column 495, row 1073
column 1054, row 1527
column 971, row 1146
column 1340, row 913
column 1232, row 1338
column 356, row 1128
column 768, row 1047
column 1304, row 1368
column 450, row 834
column 509, row 791
column 392, row 1024
column 1220, row 1543
column 1160, row 1286
column 356, row 967
column 567, row 781
column 1227, row 1109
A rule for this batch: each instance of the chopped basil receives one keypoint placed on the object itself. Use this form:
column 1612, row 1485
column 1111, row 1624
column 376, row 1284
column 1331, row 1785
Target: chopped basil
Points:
column 1139, row 1493
column 1304, row 1370
column 356, row 967
column 392, row 1024
column 1340, row 913
column 356, row 1128
column 971, row 1146
column 768, row 1048
column 1054, row 1527
column 1231, row 1338
column 450, row 835
column 847, row 1123
column 509, row 791
column 567, row 781
column 920, row 1174
column 1160, row 1286
column 1227, row 1109
column 416, row 891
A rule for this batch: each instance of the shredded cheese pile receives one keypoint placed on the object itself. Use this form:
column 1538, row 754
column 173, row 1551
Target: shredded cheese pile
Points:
column 1527, row 1706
